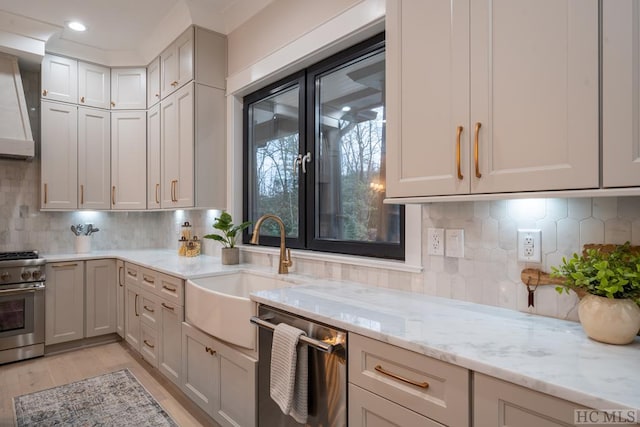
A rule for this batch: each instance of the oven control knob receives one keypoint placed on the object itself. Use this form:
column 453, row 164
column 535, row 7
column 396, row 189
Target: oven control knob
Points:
column 25, row 275
column 36, row 274
column 5, row 276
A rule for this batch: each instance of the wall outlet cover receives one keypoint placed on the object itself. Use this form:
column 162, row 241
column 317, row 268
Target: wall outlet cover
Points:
column 529, row 245
column 435, row 241
column 454, row 242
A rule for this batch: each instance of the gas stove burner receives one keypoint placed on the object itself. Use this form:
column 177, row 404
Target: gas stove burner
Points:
column 12, row 256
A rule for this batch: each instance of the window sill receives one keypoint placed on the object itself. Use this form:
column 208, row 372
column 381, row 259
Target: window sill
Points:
column 338, row 258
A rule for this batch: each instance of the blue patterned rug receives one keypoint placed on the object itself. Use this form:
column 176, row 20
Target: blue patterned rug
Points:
column 115, row 399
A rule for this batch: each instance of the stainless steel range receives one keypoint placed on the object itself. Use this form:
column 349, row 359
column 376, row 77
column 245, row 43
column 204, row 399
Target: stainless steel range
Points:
column 22, row 284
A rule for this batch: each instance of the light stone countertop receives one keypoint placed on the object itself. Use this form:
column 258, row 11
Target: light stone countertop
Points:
column 548, row 355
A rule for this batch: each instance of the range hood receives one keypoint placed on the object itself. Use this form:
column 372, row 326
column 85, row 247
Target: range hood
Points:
column 16, row 140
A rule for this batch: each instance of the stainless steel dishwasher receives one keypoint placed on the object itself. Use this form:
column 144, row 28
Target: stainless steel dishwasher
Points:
column 327, row 350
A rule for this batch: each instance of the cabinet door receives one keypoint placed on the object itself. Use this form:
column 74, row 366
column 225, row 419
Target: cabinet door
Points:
column 177, row 149
column 170, row 341
column 176, row 64
column 59, row 79
column 64, row 302
column 501, row 404
column 100, row 306
column 94, row 85
column 534, row 94
column 128, row 88
column 132, row 316
column 620, row 93
column 427, row 63
column 153, row 82
column 153, row 158
column 237, row 403
column 120, row 299
column 94, row 158
column 149, row 344
column 200, row 369
column 59, row 130
column 128, row 160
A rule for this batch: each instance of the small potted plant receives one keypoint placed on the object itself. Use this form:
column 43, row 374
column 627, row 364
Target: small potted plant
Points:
column 230, row 253
column 607, row 280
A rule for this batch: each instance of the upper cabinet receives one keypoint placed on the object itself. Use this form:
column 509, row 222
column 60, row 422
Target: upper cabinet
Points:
column 94, row 85
column 620, row 93
column 128, row 160
column 94, row 158
column 128, row 88
column 176, row 64
column 479, row 100
column 153, row 83
column 59, row 79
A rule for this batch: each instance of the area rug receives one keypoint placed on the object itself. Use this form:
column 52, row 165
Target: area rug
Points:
column 114, row 399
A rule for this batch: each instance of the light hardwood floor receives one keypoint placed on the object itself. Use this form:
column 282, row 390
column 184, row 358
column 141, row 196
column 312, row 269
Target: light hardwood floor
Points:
column 45, row 372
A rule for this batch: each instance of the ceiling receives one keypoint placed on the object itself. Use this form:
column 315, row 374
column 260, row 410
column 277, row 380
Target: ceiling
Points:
column 119, row 27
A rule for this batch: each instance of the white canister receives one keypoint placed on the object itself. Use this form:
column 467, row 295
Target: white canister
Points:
column 83, row 244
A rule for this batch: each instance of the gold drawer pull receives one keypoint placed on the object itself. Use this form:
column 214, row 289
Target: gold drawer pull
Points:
column 147, row 279
column 210, row 351
column 476, row 150
column 458, row 133
column 168, row 307
column 168, row 288
column 69, row 264
column 148, row 344
column 135, row 305
column 82, row 99
column 423, row 384
column 45, row 92
column 132, row 273
column 113, row 104
column 149, row 309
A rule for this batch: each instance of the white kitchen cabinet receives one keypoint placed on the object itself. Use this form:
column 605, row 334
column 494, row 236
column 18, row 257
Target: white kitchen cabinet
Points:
column 59, row 79
column 94, row 158
column 501, row 404
column 176, row 64
column 128, row 160
column 170, row 319
column 153, row 82
column 128, row 88
column 480, row 101
column 220, row 379
column 620, row 93
column 100, row 303
column 132, row 328
column 120, row 291
column 64, row 302
column 177, row 149
column 153, row 158
column 59, row 151
column 428, row 387
column 94, row 85
column 149, row 344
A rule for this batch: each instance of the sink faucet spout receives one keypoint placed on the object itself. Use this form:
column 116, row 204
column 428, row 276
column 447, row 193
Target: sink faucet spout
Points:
column 285, row 253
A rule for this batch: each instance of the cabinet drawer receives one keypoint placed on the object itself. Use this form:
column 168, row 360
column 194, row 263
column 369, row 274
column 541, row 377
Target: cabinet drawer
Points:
column 131, row 274
column 163, row 285
column 149, row 309
column 430, row 387
column 149, row 344
column 368, row 409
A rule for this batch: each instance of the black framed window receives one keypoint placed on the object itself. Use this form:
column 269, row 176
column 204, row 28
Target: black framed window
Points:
column 315, row 156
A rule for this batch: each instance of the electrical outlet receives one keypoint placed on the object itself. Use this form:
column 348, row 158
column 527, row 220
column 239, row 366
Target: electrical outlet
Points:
column 435, row 241
column 529, row 244
column 455, row 243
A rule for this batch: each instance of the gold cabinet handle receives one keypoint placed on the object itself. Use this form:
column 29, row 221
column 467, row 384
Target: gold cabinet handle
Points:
column 174, row 190
column 44, row 92
column 45, row 193
column 168, row 307
column 113, row 104
column 174, row 83
column 458, row 134
column 421, row 384
column 82, row 99
column 168, row 288
column 132, row 273
column 210, row 351
column 135, row 305
column 148, row 344
column 120, row 275
column 149, row 309
column 68, row 264
column 113, row 195
column 157, row 95
column 147, row 279
column 157, row 192
column 476, row 149
column 81, row 194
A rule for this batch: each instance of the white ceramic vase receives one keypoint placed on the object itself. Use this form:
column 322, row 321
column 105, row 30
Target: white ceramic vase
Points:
column 230, row 256
column 612, row 321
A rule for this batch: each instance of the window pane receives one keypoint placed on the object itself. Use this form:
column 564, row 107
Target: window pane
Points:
column 350, row 150
column 273, row 145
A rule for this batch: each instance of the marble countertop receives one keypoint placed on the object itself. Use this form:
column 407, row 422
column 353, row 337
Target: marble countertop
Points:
column 548, row 355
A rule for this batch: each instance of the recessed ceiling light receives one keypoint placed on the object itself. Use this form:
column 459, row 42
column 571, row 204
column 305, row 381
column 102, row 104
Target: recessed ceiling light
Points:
column 76, row 26
column 346, row 108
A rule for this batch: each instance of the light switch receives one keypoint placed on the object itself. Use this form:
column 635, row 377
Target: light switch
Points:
column 454, row 243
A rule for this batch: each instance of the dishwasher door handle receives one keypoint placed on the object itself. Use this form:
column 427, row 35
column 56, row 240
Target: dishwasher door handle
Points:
column 317, row 344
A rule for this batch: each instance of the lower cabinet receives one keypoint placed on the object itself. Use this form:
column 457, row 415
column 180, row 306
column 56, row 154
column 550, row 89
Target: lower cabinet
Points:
column 120, row 299
column 499, row 403
column 220, row 379
column 100, row 297
column 132, row 316
column 170, row 341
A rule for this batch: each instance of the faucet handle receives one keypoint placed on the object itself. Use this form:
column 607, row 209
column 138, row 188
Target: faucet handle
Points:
column 287, row 259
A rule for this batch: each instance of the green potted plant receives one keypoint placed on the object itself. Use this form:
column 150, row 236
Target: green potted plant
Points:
column 229, row 231
column 607, row 280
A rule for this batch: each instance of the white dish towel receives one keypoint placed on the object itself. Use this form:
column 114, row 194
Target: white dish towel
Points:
column 289, row 372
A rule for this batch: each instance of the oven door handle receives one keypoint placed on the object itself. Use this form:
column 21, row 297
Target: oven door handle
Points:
column 15, row 291
column 317, row 344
